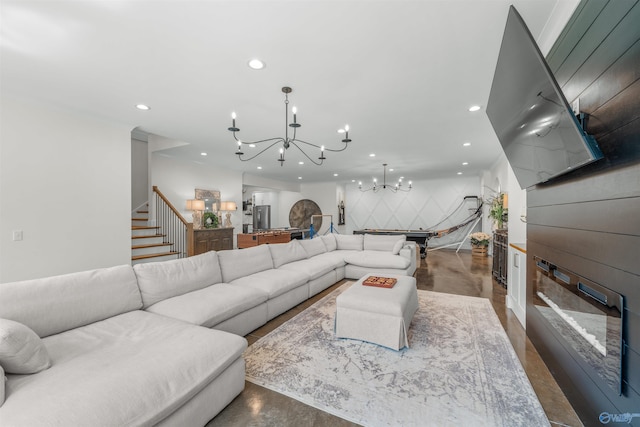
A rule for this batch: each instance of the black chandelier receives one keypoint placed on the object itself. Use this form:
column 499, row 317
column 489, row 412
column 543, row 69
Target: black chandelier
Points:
column 395, row 188
column 286, row 141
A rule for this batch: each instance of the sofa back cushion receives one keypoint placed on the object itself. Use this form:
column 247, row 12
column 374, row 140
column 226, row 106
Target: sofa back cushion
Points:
column 56, row 304
column 329, row 242
column 243, row 262
column 161, row 280
column 313, row 247
column 350, row 242
column 384, row 243
column 284, row 253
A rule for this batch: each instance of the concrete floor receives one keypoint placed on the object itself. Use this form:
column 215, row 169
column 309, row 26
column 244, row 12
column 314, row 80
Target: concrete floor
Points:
column 442, row 271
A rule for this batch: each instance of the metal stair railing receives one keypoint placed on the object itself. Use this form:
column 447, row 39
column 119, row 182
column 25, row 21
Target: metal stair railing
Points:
column 175, row 228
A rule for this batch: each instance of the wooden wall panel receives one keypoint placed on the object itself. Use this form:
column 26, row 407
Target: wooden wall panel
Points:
column 588, row 221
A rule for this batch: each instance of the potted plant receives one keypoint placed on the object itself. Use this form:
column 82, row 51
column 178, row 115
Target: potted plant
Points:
column 479, row 243
column 498, row 212
column 210, row 220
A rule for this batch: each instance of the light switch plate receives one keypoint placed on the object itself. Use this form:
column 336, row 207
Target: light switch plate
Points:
column 17, row 235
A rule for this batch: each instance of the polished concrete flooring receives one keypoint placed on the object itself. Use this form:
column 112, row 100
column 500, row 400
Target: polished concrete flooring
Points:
column 442, row 271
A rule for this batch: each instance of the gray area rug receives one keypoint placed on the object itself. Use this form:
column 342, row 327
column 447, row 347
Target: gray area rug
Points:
column 460, row 370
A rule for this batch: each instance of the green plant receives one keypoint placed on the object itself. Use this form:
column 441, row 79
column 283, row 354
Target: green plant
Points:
column 480, row 239
column 210, row 220
column 497, row 211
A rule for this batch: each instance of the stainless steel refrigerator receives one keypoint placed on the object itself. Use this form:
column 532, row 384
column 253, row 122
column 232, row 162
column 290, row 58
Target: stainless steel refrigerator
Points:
column 261, row 217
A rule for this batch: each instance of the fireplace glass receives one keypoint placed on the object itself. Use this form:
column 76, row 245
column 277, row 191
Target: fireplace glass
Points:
column 586, row 316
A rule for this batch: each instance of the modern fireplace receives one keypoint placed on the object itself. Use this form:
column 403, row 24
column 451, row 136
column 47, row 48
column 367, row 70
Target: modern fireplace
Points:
column 586, row 317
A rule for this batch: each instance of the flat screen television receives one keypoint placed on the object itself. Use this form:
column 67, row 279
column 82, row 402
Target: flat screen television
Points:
column 539, row 133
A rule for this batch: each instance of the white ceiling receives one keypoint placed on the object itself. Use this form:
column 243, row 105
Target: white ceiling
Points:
column 402, row 74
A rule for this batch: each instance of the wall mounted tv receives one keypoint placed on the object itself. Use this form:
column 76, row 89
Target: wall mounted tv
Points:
column 539, row 133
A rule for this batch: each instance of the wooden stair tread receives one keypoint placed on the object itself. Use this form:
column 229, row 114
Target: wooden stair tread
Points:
column 142, row 212
column 144, row 227
column 138, row 257
column 147, row 237
column 139, row 219
column 151, row 245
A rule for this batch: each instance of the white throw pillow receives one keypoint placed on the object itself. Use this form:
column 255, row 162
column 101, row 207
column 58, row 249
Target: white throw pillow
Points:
column 21, row 349
column 2, row 380
column 396, row 248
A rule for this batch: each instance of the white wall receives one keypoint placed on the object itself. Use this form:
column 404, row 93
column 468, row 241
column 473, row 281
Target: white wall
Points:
column 139, row 173
column 517, row 200
column 178, row 179
column 65, row 181
column 424, row 207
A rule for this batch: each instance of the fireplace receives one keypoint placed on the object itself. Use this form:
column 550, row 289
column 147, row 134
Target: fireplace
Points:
column 586, row 318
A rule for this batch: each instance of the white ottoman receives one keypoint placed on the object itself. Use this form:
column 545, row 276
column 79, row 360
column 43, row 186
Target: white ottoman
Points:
column 377, row 315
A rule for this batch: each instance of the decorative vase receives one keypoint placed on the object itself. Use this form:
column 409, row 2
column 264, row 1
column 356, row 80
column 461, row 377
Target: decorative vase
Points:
column 479, row 250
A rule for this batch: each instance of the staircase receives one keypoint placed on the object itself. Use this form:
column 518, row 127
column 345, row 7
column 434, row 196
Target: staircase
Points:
column 147, row 241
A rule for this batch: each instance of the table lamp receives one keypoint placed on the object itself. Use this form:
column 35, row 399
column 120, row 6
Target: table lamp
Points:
column 196, row 206
column 227, row 207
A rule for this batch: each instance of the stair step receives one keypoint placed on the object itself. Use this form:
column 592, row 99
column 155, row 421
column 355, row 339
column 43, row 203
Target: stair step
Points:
column 144, row 227
column 150, row 249
column 151, row 245
column 150, row 256
column 148, row 236
column 142, row 212
column 139, row 219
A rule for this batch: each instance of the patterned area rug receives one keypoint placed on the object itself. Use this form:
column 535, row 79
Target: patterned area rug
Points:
column 460, row 370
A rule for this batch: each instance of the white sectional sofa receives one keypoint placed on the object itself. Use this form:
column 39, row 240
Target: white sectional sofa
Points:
column 160, row 343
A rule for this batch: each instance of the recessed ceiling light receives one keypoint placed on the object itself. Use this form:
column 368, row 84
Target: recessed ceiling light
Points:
column 143, row 107
column 259, row 167
column 372, row 155
column 335, row 174
column 301, row 163
column 459, row 173
column 402, row 177
column 203, row 154
column 252, row 145
column 299, row 177
column 391, row 170
column 474, row 108
column 256, row 64
column 465, row 163
column 466, row 144
column 353, row 180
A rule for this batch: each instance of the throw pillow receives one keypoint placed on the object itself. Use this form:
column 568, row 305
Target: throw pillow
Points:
column 21, row 349
column 396, row 248
column 2, row 380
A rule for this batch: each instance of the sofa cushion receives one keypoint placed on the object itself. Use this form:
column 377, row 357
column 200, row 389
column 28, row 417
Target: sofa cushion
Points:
column 398, row 246
column 133, row 369
column 273, row 282
column 373, row 242
column 313, row 247
column 59, row 303
column 21, row 349
column 350, row 242
column 284, row 253
column 329, row 242
column 243, row 262
column 212, row 305
column 314, row 267
column 335, row 257
column 161, row 280
column 377, row 259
